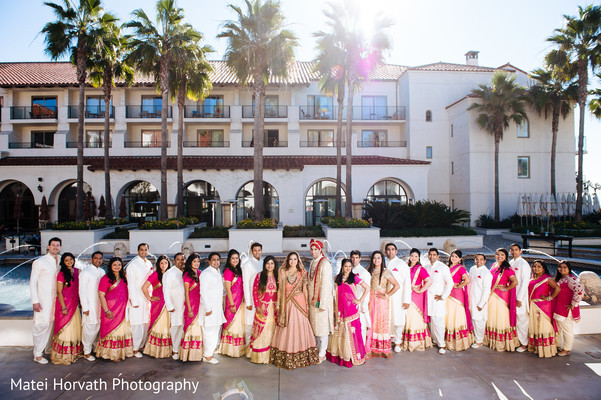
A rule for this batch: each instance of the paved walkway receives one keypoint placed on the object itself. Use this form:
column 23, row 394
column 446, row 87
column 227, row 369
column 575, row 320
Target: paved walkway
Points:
column 472, row 374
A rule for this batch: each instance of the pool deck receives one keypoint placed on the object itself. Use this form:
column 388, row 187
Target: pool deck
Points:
column 472, row 374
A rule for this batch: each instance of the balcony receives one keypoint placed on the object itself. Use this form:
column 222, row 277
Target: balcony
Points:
column 360, row 113
column 29, row 145
column 207, row 111
column 271, row 143
column 144, row 144
column 322, row 143
column 88, row 145
column 209, row 143
column 382, row 143
column 146, row 112
column 34, row 112
column 270, row 111
column 90, row 112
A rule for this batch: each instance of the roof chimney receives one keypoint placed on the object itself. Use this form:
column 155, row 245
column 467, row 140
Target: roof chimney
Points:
column 471, row 58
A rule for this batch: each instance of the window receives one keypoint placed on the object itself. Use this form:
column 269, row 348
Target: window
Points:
column 43, row 107
column 42, row 139
column 95, row 106
column 320, row 106
column 524, row 129
column 320, row 138
column 428, row 116
column 271, row 138
column 94, row 138
column 320, row 202
column 210, row 137
column 374, row 138
column 151, row 106
column 213, row 106
column 428, row 152
column 388, row 191
column 151, row 138
column 452, row 130
column 524, row 167
column 373, row 107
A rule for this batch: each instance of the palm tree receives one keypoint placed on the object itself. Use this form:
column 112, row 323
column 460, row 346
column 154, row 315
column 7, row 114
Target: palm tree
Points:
column 580, row 43
column 152, row 50
column 106, row 65
column 554, row 95
column 71, row 34
column 500, row 103
column 259, row 48
column 190, row 77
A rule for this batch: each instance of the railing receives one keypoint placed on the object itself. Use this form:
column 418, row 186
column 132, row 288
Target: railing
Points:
column 360, row 113
column 210, row 143
column 90, row 112
column 270, row 111
column 208, row 111
column 382, row 143
column 266, row 144
column 145, row 111
column 143, row 144
column 322, row 143
column 35, row 112
column 88, row 145
column 29, row 145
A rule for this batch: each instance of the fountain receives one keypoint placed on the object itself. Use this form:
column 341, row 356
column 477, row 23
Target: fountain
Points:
column 16, row 247
column 171, row 245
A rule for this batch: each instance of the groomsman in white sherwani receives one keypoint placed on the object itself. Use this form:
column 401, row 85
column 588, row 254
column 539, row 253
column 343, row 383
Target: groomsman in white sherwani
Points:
column 365, row 276
column 401, row 299
column 251, row 266
column 442, row 284
column 522, row 273
column 138, row 270
column 175, row 298
column 42, row 286
column 89, row 279
column 479, row 290
column 211, row 297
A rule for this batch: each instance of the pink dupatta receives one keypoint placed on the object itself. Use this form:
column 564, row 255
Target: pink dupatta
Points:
column 156, row 307
column 262, row 302
column 71, row 296
column 540, row 287
column 194, row 296
column 418, row 275
column 237, row 295
column 509, row 297
column 116, row 296
column 348, row 313
column 462, row 294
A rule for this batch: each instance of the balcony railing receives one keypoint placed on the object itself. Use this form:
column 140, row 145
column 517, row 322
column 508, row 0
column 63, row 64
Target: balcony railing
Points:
column 88, row 145
column 29, row 145
column 90, row 112
column 210, row 143
column 382, row 143
column 212, row 111
column 34, row 112
column 266, row 143
column 360, row 113
column 143, row 144
column 270, row 111
column 322, row 143
column 145, row 111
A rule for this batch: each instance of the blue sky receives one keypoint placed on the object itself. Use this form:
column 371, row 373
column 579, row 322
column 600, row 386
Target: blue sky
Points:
column 424, row 32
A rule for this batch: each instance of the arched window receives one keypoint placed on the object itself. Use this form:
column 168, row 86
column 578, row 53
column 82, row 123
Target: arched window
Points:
column 142, row 199
column 27, row 218
column 67, row 203
column 202, row 201
column 428, row 116
column 320, row 202
column 246, row 200
column 389, row 191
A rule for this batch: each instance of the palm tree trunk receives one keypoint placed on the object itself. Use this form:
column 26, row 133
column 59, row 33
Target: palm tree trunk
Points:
column 259, row 129
column 164, row 82
column 181, row 97
column 497, row 141
column 582, row 93
column 338, row 211
column 107, row 83
column 349, row 145
column 554, row 129
column 81, row 78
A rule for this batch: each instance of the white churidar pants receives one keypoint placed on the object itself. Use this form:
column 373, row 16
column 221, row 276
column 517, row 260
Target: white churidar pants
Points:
column 522, row 328
column 139, row 334
column 479, row 327
column 565, row 333
column 398, row 334
column 210, row 339
column 322, row 345
column 176, row 331
column 42, row 334
column 89, row 332
column 437, row 330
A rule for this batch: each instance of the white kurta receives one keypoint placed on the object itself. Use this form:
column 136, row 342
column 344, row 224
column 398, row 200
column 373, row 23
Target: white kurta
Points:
column 175, row 295
column 442, row 284
column 89, row 279
column 522, row 273
column 250, row 268
column 137, row 273
column 211, row 297
column 400, row 271
column 479, row 290
column 42, row 285
column 365, row 277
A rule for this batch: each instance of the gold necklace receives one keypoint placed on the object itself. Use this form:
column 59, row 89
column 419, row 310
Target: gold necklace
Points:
column 291, row 277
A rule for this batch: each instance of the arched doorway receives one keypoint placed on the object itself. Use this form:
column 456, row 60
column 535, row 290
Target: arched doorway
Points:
column 320, row 202
column 142, row 200
column 28, row 217
column 245, row 201
column 67, row 203
column 202, row 201
column 389, row 191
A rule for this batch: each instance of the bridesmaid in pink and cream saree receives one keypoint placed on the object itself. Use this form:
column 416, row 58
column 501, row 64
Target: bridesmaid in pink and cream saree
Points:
column 542, row 289
column 459, row 333
column 232, row 337
column 66, row 343
column 190, row 348
column 265, row 294
column 566, row 309
column 416, row 335
column 346, row 346
column 114, row 341
column 500, row 333
column 158, row 344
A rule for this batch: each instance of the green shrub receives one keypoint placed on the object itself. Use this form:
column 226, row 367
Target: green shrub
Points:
column 303, row 231
column 173, row 223
column 211, row 232
column 422, row 214
column 488, row 222
column 341, row 222
column 119, row 233
column 266, row 223
column 79, row 226
column 420, row 232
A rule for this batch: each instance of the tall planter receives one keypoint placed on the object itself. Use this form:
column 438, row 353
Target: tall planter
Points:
column 347, row 239
column 160, row 241
column 271, row 239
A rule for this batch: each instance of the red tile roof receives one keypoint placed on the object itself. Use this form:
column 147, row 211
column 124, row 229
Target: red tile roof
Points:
column 208, row 162
column 443, row 66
